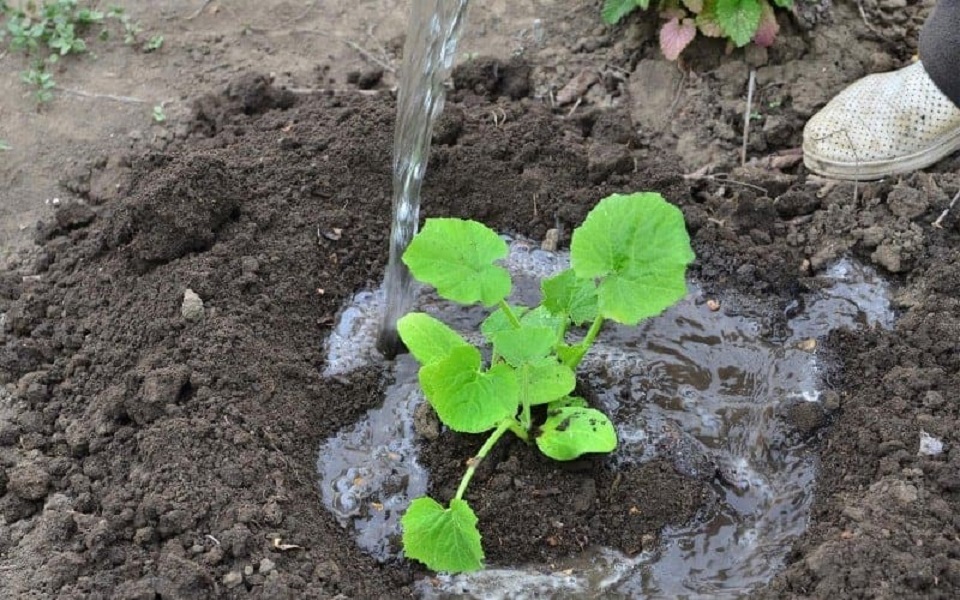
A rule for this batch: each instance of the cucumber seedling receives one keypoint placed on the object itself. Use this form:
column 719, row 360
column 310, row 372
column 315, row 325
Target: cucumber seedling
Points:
column 628, row 262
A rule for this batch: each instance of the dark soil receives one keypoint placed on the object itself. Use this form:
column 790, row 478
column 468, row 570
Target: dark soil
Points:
column 145, row 454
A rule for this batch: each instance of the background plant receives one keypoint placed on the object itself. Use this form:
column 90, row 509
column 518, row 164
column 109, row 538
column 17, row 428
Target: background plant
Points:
column 740, row 21
column 628, row 262
column 49, row 30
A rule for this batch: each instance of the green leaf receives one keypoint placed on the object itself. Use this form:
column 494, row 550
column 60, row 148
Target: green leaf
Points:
column 739, row 19
column 571, row 355
column 498, row 321
column 456, row 257
column 541, row 317
column 546, row 381
column 523, row 345
column 784, row 3
column 571, row 432
column 444, row 539
column 567, row 402
column 569, row 296
column 707, row 20
column 538, row 317
column 428, row 339
column 615, row 10
column 465, row 398
column 638, row 246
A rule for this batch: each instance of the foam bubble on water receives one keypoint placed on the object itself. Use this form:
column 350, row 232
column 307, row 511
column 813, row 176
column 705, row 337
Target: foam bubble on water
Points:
column 591, row 575
column 369, row 472
column 353, row 342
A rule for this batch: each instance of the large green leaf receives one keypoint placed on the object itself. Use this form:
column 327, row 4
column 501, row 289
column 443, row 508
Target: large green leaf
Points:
column 637, row 245
column 444, row 539
column 523, row 345
column 467, row 399
column 546, row 380
column 567, row 295
column 428, row 339
column 538, row 317
column 739, row 19
column 614, row 10
column 456, row 257
column 574, row 431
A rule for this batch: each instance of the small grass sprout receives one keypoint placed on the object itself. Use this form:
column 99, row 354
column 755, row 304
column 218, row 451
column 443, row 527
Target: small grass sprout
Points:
column 49, row 30
column 628, row 263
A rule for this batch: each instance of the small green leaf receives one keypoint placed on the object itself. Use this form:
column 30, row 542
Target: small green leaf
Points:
column 571, row 432
column 546, row 380
column 456, row 257
column 568, row 295
column 638, row 246
column 524, row 345
column 739, row 19
column 444, row 539
column 428, row 339
column 784, row 3
column 466, row 399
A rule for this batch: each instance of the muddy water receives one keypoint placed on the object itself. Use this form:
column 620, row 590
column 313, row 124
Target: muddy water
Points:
column 707, row 389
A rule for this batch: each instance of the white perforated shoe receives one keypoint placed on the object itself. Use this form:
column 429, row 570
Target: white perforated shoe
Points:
column 882, row 125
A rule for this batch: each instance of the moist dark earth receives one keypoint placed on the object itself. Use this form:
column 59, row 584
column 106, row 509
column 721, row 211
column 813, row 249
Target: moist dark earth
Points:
column 149, row 454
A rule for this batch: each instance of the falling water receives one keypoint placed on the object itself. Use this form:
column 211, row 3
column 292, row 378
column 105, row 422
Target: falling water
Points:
column 432, row 35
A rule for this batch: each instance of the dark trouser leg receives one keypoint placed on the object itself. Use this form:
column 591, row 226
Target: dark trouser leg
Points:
column 940, row 48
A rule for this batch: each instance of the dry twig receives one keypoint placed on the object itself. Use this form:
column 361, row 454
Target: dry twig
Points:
column 83, row 94
column 939, row 222
column 723, row 178
column 751, row 87
column 197, row 12
column 370, row 56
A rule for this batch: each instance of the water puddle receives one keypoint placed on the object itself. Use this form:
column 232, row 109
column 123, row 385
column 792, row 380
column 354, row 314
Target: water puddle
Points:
column 703, row 387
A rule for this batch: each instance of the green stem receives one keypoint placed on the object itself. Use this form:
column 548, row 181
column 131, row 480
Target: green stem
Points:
column 504, row 426
column 510, row 316
column 525, row 400
column 588, row 341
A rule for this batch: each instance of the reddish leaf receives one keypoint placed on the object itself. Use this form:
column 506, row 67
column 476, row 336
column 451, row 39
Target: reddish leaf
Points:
column 768, row 27
column 675, row 36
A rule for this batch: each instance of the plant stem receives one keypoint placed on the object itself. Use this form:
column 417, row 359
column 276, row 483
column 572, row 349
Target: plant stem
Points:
column 504, row 426
column 510, row 316
column 588, row 341
column 525, row 400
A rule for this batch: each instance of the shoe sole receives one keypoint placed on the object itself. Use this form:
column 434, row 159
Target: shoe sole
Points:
column 869, row 171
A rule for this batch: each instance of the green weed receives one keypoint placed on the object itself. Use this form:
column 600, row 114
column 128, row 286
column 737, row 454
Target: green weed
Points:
column 739, row 21
column 52, row 29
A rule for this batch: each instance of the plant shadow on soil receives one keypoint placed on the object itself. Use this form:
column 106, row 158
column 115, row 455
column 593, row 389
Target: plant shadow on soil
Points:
column 145, row 454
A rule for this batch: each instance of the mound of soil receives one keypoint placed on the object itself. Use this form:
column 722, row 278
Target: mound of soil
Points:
column 156, row 442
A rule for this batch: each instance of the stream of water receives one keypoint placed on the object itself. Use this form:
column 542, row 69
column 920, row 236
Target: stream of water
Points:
column 428, row 53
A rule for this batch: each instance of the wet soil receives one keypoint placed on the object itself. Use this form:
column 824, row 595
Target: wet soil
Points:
column 151, row 451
